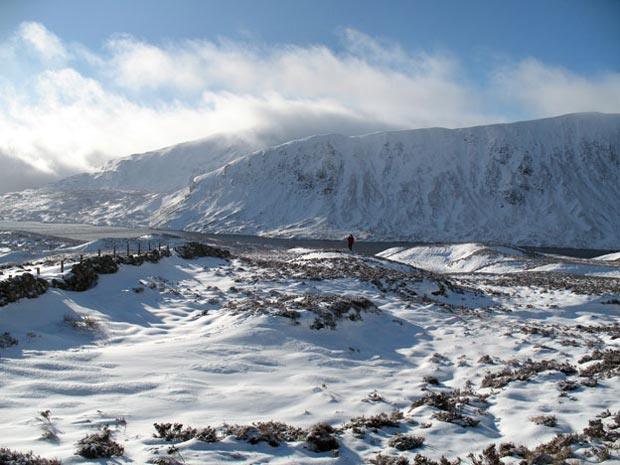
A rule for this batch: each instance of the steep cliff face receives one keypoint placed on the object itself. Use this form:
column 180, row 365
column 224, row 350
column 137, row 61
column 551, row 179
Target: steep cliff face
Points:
column 544, row 182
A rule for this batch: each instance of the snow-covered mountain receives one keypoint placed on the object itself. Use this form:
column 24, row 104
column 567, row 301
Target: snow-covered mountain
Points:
column 167, row 169
column 545, row 182
column 129, row 190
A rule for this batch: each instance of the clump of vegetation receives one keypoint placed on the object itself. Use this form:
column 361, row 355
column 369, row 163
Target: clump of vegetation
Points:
column 441, row 400
column 419, row 459
column 486, row 359
column 49, row 430
column 608, row 364
column 381, row 459
column 433, row 381
column 457, row 418
column 322, row 438
column 489, row 456
column 99, row 445
column 376, row 422
column 177, row 433
column 406, row 442
column 11, row 457
column 451, row 404
column 374, row 396
column 568, row 385
column 166, row 460
column 82, row 322
column 546, row 420
column 271, row 432
column 523, row 371
column 596, row 429
column 340, row 308
column 328, row 310
column 6, row 341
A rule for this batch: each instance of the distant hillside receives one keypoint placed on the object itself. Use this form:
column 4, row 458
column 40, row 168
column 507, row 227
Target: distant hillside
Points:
column 550, row 182
column 546, row 182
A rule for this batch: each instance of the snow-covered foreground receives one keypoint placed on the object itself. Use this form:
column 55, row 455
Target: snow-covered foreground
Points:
column 303, row 337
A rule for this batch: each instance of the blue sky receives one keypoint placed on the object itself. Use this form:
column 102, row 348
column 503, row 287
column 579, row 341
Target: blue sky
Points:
column 156, row 73
column 581, row 35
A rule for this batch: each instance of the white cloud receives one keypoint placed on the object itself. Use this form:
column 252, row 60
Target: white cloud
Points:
column 547, row 90
column 71, row 109
column 43, row 42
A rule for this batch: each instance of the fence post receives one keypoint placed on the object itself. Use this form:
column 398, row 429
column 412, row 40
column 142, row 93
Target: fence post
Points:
column 138, row 248
column 62, row 265
column 114, row 250
column 38, row 271
column 128, row 249
column 98, row 252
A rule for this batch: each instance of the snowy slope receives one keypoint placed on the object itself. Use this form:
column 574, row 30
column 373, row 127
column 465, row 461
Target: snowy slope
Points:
column 205, row 342
column 478, row 258
column 552, row 181
column 165, row 170
column 459, row 258
column 129, row 190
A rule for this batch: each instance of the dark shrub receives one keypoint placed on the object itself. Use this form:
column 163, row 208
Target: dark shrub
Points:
column 546, row 420
column 174, row 432
column 322, row 438
column 99, row 445
column 271, row 432
column 406, row 442
column 379, row 421
column 6, row 341
column 11, row 457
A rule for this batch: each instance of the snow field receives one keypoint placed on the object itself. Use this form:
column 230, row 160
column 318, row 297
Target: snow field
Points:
column 199, row 342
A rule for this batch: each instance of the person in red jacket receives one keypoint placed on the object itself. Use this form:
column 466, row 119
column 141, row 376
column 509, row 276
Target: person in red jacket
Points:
column 350, row 242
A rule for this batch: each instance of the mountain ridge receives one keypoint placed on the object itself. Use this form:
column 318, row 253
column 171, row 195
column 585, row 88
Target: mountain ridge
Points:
column 547, row 182
column 329, row 197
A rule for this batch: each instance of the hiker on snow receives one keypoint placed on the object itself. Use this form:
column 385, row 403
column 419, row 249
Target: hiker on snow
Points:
column 350, row 242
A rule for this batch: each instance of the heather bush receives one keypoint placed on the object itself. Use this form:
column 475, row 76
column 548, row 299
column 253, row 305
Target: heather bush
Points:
column 85, row 322
column 6, row 341
column 271, row 432
column 546, row 420
column 177, row 433
column 99, row 445
column 11, row 457
column 406, row 442
column 322, row 438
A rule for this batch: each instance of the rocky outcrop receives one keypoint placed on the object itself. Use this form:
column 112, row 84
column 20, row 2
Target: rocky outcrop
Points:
column 197, row 250
column 22, row 286
column 84, row 275
column 152, row 256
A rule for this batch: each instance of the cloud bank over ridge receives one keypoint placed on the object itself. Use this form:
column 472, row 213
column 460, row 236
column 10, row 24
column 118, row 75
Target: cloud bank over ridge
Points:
column 67, row 109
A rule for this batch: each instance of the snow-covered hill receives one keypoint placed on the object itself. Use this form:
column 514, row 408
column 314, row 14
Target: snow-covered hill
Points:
column 167, row 169
column 547, row 182
column 544, row 182
column 129, row 190
column 398, row 361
